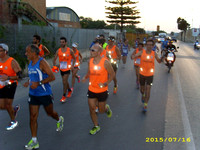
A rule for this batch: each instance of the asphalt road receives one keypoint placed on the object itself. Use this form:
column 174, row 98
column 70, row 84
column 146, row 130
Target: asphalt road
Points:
column 172, row 113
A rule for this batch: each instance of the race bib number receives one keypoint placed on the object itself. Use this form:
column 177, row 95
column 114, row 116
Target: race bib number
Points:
column 137, row 61
column 2, row 84
column 125, row 51
column 63, row 65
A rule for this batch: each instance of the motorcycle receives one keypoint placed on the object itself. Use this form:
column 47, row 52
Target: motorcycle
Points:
column 196, row 46
column 170, row 58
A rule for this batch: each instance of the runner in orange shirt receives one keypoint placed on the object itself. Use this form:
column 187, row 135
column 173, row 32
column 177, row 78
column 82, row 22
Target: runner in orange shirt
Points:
column 115, row 55
column 100, row 74
column 78, row 61
column 147, row 71
column 43, row 50
column 137, row 62
column 65, row 55
column 10, row 72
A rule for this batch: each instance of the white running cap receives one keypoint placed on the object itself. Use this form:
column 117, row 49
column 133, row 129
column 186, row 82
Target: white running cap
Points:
column 74, row 45
column 4, row 46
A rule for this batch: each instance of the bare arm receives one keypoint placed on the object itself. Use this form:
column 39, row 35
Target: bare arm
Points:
column 55, row 58
column 47, row 52
column 118, row 53
column 44, row 66
column 159, row 60
column 73, row 57
column 87, row 75
column 81, row 58
column 136, row 55
column 134, row 52
column 15, row 66
column 110, row 70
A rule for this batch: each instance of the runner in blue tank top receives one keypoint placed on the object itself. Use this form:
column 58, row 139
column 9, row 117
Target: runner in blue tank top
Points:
column 40, row 93
column 36, row 75
column 124, row 51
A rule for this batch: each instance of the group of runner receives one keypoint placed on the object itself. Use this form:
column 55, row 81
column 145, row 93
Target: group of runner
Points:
column 40, row 74
column 102, row 69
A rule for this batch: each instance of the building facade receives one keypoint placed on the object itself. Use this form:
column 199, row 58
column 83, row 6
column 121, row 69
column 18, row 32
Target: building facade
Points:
column 15, row 11
column 63, row 17
column 39, row 5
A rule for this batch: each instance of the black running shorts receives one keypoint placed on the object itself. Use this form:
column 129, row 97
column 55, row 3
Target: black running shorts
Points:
column 64, row 72
column 146, row 79
column 40, row 100
column 8, row 91
column 102, row 97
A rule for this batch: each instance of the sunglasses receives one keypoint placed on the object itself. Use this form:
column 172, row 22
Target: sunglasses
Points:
column 92, row 50
column 109, row 39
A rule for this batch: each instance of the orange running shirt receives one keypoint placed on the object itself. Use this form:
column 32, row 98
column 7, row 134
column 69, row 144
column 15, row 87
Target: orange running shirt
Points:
column 147, row 63
column 41, row 53
column 112, row 51
column 98, row 74
column 77, row 62
column 103, row 54
column 64, row 59
column 137, row 59
column 6, row 69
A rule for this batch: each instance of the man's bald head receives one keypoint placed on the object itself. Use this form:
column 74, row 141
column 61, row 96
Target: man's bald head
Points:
column 97, row 47
column 34, row 48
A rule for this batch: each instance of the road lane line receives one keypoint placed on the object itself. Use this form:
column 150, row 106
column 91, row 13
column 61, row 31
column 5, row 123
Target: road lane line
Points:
column 184, row 114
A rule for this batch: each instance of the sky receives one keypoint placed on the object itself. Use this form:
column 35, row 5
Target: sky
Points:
column 152, row 12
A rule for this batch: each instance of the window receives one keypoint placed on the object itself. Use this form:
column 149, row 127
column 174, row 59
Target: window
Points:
column 64, row 16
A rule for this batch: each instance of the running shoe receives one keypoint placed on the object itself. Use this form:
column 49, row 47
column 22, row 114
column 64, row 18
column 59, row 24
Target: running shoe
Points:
column 16, row 109
column 94, row 130
column 60, row 124
column 144, row 109
column 69, row 94
column 12, row 125
column 109, row 111
column 79, row 80
column 115, row 90
column 97, row 109
column 32, row 145
column 63, row 99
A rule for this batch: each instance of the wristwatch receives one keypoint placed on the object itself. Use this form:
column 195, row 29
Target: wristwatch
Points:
column 105, row 84
column 40, row 83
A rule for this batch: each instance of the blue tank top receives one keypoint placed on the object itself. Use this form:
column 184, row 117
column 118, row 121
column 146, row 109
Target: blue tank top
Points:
column 125, row 49
column 154, row 48
column 119, row 45
column 36, row 75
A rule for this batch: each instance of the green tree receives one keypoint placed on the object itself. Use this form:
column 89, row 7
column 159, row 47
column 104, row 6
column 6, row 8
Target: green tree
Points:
column 88, row 23
column 85, row 22
column 113, row 26
column 122, row 13
column 183, row 25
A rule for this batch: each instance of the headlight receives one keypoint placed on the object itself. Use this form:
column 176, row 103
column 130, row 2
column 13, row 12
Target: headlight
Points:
column 170, row 58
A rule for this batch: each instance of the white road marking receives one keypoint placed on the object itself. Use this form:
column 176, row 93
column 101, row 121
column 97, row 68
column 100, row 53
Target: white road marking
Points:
column 186, row 124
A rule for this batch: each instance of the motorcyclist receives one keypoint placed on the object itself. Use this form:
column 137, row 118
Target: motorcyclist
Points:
column 164, row 43
column 195, row 44
column 170, row 46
